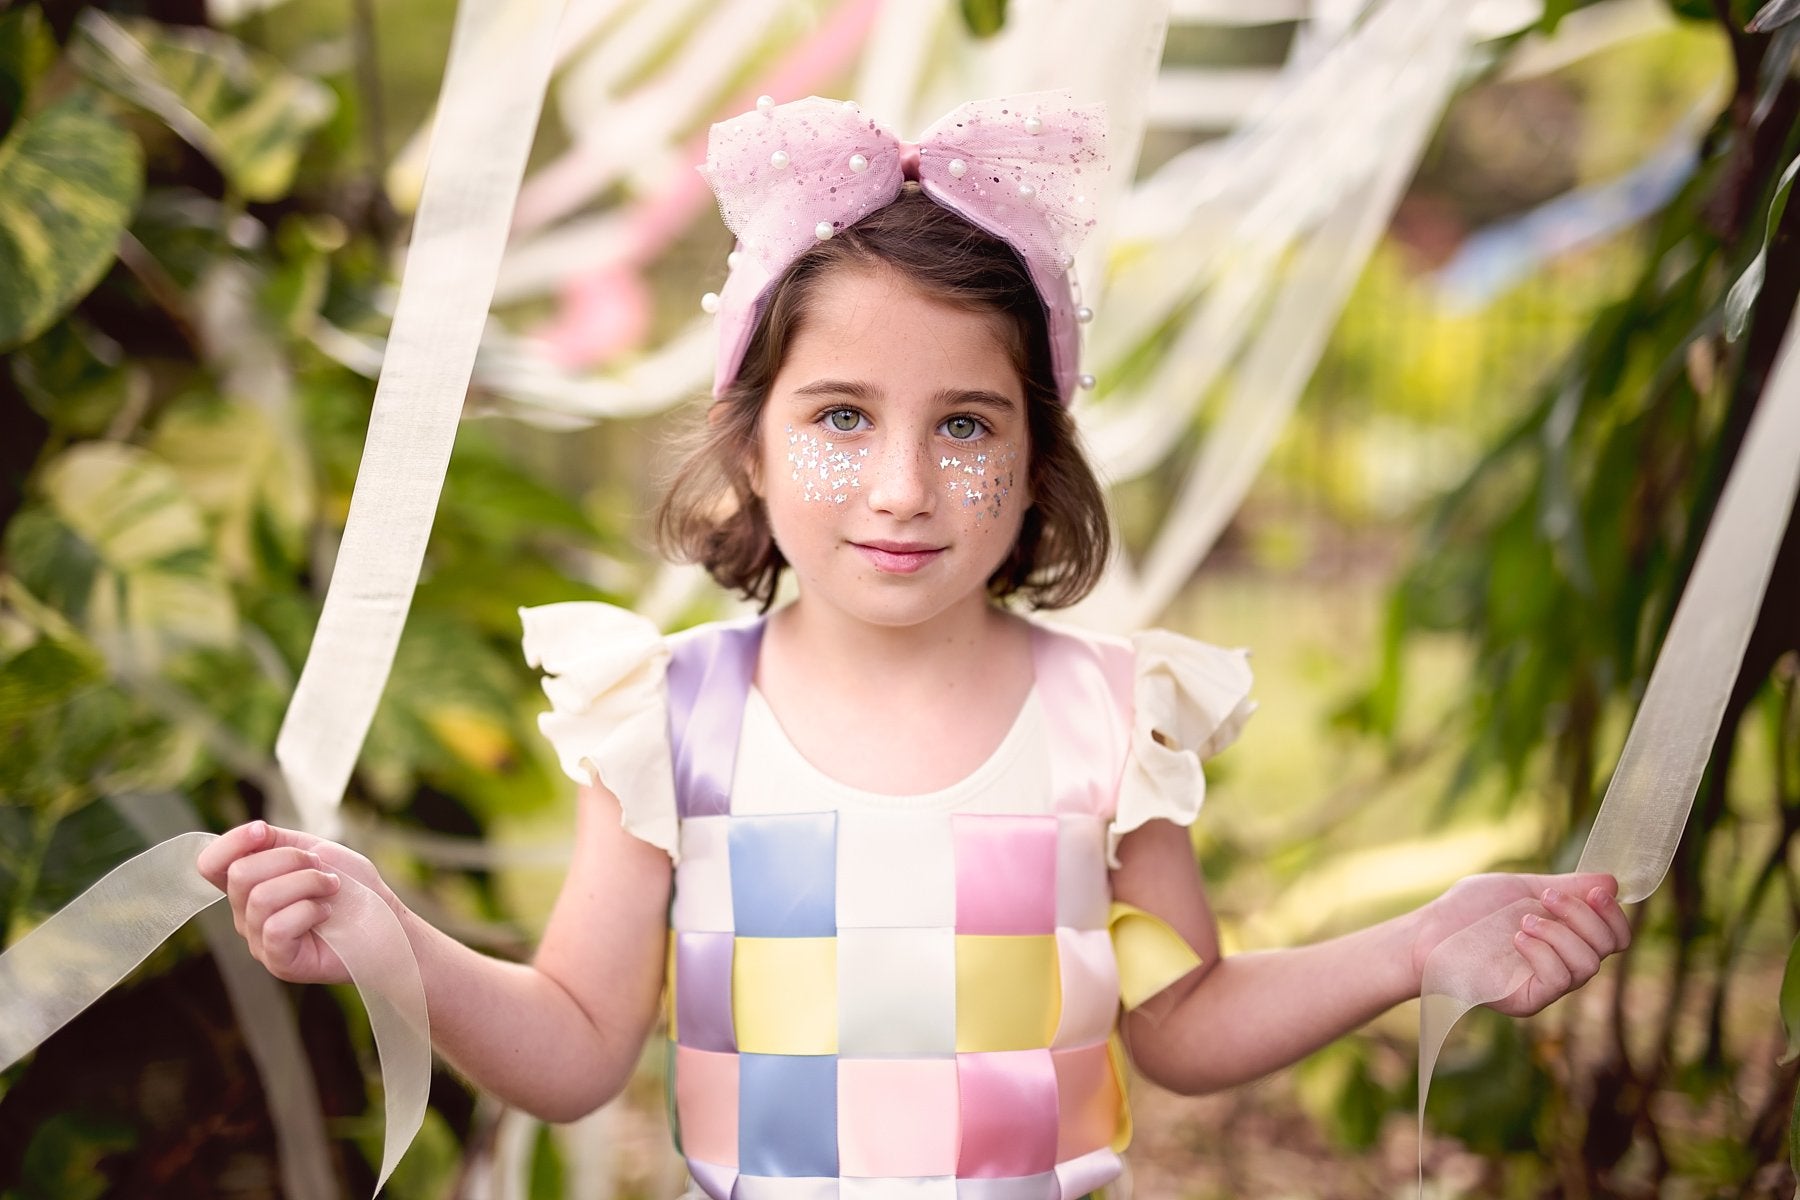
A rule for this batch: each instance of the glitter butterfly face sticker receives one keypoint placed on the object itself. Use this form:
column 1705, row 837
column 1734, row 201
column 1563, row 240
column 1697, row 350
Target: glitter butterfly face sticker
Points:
column 824, row 472
column 980, row 480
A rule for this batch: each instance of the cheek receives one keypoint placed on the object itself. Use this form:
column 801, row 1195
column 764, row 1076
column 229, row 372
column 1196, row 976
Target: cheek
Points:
column 979, row 483
column 820, row 472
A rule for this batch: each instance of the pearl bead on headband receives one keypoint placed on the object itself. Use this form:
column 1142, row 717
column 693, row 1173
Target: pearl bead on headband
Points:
column 1024, row 168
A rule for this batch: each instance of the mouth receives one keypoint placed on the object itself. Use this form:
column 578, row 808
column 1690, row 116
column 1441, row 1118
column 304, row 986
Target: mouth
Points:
column 897, row 558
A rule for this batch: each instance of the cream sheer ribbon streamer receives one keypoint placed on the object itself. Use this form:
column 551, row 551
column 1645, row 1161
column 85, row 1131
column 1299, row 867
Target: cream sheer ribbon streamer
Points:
column 499, row 64
column 77, row 955
column 493, row 89
column 1646, row 805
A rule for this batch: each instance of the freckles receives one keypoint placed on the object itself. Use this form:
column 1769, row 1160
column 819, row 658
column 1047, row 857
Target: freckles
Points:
column 980, row 480
column 820, row 470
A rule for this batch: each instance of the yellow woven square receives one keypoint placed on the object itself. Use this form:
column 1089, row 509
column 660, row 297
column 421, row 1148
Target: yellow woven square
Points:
column 1008, row 992
column 784, row 995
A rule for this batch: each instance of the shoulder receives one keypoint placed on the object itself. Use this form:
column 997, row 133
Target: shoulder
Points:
column 1067, row 653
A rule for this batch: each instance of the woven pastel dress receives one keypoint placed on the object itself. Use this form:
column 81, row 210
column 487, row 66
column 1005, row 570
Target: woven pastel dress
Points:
column 882, row 997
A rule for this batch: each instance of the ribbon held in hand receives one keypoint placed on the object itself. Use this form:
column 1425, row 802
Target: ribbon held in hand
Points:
column 80, row 952
column 1028, row 169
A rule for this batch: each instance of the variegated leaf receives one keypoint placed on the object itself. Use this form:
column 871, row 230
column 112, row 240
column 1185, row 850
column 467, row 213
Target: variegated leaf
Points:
column 149, row 582
column 26, row 51
column 251, row 482
column 240, row 108
column 70, row 178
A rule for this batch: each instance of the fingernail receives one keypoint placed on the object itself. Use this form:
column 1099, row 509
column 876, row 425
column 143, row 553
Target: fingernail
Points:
column 312, row 858
column 258, row 830
column 1598, row 898
column 332, row 876
column 1532, row 921
column 1552, row 896
column 327, row 910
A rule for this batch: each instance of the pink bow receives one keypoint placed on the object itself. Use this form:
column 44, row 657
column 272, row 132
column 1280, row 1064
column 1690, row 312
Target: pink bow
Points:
column 1027, row 169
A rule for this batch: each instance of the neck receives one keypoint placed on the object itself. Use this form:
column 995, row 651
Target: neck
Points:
column 883, row 655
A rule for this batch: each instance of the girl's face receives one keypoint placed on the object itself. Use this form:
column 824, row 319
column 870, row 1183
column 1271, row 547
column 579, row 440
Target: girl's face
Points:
column 893, row 451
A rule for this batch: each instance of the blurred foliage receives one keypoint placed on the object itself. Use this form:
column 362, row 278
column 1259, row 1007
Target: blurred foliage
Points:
column 180, row 206
column 179, row 463
column 1560, row 556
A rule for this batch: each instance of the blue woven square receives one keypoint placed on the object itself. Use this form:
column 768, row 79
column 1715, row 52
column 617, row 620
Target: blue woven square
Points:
column 787, row 1115
column 784, row 875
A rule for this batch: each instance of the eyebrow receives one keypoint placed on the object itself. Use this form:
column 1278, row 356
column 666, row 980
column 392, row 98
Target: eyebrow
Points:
column 945, row 397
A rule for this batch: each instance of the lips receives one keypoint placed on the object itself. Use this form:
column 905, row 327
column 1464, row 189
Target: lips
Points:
column 898, row 558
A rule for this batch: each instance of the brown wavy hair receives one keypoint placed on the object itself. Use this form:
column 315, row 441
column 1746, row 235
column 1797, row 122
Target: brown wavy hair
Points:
column 711, row 514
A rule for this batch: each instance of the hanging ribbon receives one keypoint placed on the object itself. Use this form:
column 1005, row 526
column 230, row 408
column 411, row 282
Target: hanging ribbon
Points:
column 499, row 66
column 1652, row 790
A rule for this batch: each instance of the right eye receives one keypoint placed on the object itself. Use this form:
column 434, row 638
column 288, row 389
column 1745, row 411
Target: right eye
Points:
column 844, row 420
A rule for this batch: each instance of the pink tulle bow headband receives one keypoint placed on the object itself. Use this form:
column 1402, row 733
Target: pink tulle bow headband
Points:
column 1027, row 169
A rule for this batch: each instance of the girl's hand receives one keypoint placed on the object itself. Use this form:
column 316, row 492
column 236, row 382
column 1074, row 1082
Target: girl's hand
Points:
column 1581, row 924
column 280, row 883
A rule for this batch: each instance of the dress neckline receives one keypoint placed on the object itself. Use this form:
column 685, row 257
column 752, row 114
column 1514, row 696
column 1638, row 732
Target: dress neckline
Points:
column 995, row 764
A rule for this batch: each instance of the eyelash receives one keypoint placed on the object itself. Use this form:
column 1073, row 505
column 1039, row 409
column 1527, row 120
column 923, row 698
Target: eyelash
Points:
column 982, row 428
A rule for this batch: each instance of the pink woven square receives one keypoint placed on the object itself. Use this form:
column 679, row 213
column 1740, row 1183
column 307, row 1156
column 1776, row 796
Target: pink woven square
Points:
column 1090, row 986
column 706, row 1094
column 1087, row 1100
column 897, row 1117
column 1008, row 1105
column 1005, row 874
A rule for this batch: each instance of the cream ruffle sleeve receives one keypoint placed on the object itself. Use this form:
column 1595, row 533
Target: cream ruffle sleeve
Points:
column 1189, row 701
column 604, row 671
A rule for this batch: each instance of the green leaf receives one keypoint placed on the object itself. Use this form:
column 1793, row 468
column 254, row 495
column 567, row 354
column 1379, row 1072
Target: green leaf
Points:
column 1790, row 1003
column 42, row 675
column 984, row 18
column 26, row 51
column 244, row 476
column 63, row 1157
column 240, row 108
column 547, row 1172
column 74, row 377
column 116, row 516
column 69, row 181
column 1794, row 1136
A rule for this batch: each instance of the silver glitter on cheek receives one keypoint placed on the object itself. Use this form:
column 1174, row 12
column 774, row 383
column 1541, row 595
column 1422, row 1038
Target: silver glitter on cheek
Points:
column 825, row 472
column 980, row 479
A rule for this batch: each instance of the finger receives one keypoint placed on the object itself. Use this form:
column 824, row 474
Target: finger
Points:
column 285, row 934
column 1545, row 963
column 214, row 861
column 273, row 895
column 1580, row 962
column 1614, row 916
column 1577, row 914
column 233, row 844
column 247, row 873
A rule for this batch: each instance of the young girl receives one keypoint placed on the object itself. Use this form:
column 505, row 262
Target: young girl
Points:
column 867, row 847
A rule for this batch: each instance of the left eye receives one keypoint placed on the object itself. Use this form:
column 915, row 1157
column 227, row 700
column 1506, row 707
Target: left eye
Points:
column 962, row 428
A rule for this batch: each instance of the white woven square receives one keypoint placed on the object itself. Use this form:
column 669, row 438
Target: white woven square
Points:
column 896, row 993
column 926, row 1187
column 1083, row 893
column 1025, row 1187
column 764, row 1187
column 1090, row 986
column 703, row 877
column 895, row 871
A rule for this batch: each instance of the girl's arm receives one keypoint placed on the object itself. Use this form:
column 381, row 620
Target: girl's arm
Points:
column 1235, row 1019
column 558, row 1037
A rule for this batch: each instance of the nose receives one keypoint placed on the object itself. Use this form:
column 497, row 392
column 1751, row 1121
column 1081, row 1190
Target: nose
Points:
column 899, row 477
